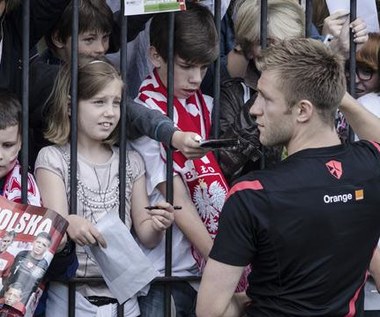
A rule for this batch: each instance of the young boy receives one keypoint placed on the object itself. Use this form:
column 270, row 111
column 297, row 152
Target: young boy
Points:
column 10, row 145
column 199, row 186
column 96, row 24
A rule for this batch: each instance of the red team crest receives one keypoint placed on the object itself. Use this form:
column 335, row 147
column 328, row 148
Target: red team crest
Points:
column 335, row 168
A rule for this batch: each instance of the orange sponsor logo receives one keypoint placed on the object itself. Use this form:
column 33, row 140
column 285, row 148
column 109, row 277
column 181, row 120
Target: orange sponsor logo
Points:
column 359, row 194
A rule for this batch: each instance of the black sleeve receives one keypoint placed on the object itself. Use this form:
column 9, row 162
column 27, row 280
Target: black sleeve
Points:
column 236, row 241
column 19, row 257
column 145, row 121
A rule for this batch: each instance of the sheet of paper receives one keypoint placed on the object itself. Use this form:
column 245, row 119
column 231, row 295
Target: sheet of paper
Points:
column 125, row 268
column 366, row 9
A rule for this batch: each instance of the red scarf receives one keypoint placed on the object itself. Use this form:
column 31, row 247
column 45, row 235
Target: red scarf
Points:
column 203, row 177
column 12, row 187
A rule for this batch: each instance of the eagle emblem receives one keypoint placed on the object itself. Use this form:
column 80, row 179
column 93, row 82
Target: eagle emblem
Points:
column 209, row 201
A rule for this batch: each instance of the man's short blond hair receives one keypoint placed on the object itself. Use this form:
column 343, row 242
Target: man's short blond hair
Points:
column 307, row 70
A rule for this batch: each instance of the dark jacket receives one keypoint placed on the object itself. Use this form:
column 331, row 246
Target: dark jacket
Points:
column 43, row 15
column 236, row 122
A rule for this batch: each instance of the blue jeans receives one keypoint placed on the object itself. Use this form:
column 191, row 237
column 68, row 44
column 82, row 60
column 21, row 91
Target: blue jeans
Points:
column 183, row 294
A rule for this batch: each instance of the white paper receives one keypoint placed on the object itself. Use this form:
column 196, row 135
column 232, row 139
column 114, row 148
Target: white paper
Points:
column 124, row 267
column 366, row 10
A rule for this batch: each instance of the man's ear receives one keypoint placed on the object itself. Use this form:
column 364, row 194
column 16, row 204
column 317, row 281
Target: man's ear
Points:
column 155, row 58
column 305, row 110
column 56, row 41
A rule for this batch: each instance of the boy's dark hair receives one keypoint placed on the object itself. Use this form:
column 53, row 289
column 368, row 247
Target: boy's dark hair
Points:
column 195, row 37
column 94, row 15
column 10, row 109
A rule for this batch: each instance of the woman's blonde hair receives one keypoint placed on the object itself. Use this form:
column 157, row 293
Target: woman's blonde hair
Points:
column 94, row 74
column 286, row 19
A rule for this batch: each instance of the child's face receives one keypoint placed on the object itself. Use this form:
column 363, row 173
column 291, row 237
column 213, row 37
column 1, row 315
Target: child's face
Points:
column 5, row 243
column 12, row 296
column 92, row 44
column 187, row 77
column 10, row 145
column 40, row 245
column 98, row 116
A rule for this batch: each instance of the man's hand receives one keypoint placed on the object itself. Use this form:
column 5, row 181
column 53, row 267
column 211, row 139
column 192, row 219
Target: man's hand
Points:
column 188, row 144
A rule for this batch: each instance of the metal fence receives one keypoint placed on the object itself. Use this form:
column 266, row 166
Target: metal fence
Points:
column 168, row 278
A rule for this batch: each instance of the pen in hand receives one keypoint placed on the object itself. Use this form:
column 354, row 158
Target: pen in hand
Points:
column 156, row 207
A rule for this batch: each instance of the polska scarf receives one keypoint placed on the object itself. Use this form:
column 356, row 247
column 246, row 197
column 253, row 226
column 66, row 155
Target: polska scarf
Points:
column 203, row 177
column 12, row 187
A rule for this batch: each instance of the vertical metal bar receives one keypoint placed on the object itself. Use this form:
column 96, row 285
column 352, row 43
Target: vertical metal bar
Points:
column 263, row 23
column 263, row 44
column 74, row 131
column 352, row 52
column 25, row 100
column 169, row 163
column 216, row 79
column 123, row 117
column 352, row 63
column 308, row 17
column 123, row 125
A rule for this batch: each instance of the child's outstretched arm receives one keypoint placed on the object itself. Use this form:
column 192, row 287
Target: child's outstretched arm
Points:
column 188, row 144
column 145, row 121
column 53, row 195
column 152, row 123
column 149, row 225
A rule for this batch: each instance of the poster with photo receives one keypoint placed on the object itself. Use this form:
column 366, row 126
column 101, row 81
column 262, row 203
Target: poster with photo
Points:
column 29, row 238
